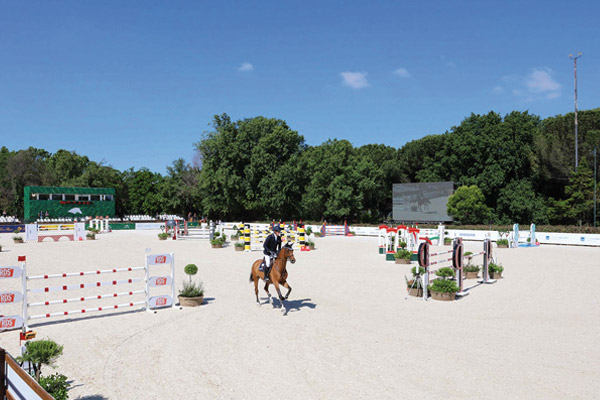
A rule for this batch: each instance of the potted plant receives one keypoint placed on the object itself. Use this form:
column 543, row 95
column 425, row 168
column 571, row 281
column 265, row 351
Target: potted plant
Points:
column 443, row 288
column 235, row 237
column 311, row 245
column 502, row 243
column 163, row 236
column 471, row 271
column 192, row 294
column 402, row 256
column 90, row 236
column 16, row 238
column 414, row 286
column 217, row 242
column 308, row 231
column 447, row 240
column 495, row 271
column 239, row 246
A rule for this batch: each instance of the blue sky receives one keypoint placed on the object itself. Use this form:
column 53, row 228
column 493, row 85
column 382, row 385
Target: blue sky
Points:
column 136, row 83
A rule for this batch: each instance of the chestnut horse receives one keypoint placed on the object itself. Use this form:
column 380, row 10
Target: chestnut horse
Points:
column 278, row 274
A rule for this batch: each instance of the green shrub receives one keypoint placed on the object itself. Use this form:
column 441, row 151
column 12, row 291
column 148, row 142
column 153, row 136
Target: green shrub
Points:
column 239, row 244
column 444, row 286
column 402, row 245
column 402, row 254
column 217, row 234
column 163, row 235
column 218, row 241
column 190, row 269
column 56, row 385
column 90, row 235
column 40, row 352
column 308, row 231
column 445, row 272
column 495, row 268
column 471, row 268
column 414, row 271
column 309, row 243
column 192, row 289
column 503, row 242
column 318, row 234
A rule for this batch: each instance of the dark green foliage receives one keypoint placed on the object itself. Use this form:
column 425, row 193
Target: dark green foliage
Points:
column 444, row 286
column 467, row 205
column 41, row 352
column 495, row 268
column 445, row 272
column 190, row 269
column 414, row 271
column 402, row 254
column 503, row 242
column 56, row 385
column 471, row 268
column 192, row 289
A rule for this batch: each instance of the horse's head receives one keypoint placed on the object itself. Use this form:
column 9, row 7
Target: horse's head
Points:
column 288, row 252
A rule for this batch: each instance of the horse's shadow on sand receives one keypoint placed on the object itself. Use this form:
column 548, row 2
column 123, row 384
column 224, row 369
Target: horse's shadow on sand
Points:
column 292, row 305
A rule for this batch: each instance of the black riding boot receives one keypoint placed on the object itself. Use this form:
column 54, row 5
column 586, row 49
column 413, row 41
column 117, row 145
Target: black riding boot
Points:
column 267, row 272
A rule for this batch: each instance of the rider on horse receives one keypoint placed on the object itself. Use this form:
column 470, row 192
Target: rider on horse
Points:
column 272, row 246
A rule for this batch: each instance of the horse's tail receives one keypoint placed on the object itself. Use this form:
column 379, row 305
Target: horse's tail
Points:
column 251, row 277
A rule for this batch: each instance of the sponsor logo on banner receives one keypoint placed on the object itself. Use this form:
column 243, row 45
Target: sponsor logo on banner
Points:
column 159, row 259
column 10, row 272
column 10, row 297
column 160, row 281
column 14, row 321
column 160, row 301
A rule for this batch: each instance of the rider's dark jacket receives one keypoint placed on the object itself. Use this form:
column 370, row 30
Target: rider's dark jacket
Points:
column 272, row 244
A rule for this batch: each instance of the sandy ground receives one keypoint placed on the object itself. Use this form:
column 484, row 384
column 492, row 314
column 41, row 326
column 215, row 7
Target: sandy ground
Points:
column 346, row 332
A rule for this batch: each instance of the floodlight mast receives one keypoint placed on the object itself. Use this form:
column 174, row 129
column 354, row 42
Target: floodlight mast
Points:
column 574, row 58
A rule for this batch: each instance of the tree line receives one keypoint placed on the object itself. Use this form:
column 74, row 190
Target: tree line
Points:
column 516, row 168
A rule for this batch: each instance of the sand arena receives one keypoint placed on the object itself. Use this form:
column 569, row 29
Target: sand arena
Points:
column 346, row 331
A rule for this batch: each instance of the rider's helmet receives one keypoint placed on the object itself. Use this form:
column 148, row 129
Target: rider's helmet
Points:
column 276, row 228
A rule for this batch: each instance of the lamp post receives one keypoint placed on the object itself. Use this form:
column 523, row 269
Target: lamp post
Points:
column 574, row 58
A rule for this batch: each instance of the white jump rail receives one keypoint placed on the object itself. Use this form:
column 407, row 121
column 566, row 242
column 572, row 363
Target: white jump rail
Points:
column 149, row 302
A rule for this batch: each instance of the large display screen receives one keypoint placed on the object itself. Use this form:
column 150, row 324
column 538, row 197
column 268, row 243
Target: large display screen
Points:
column 421, row 202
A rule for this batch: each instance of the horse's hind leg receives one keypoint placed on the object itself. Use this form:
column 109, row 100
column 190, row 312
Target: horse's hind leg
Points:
column 256, row 289
column 267, row 290
column 289, row 288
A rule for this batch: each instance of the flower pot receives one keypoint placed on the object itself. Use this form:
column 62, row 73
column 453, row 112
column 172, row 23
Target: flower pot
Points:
column 90, row 237
column 312, row 247
column 443, row 296
column 216, row 246
column 472, row 274
column 161, row 238
column 402, row 261
column 190, row 301
column 239, row 248
column 18, row 240
column 502, row 246
column 495, row 275
column 447, row 242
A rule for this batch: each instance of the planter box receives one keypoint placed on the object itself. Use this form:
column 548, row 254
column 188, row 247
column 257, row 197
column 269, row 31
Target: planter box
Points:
column 190, row 301
column 472, row 275
column 496, row 275
column 238, row 248
column 441, row 296
column 18, row 240
column 216, row 246
column 311, row 247
column 90, row 237
column 502, row 246
column 447, row 243
column 402, row 261
column 162, row 238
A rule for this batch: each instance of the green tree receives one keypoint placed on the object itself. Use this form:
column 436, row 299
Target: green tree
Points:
column 519, row 203
column 40, row 352
column 467, row 206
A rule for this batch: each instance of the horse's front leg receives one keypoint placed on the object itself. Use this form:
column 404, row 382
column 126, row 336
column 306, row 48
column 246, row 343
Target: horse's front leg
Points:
column 278, row 291
column 289, row 288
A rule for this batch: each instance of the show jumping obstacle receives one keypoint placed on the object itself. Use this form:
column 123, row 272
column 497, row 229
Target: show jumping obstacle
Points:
column 255, row 234
column 72, row 231
column 203, row 232
column 456, row 259
column 335, row 230
column 515, row 237
column 100, row 224
column 148, row 282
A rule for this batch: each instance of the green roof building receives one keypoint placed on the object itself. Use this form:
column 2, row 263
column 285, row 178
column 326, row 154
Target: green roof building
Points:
column 68, row 202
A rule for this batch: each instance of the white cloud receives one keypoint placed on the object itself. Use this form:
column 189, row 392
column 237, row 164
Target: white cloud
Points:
column 356, row 80
column 540, row 81
column 402, row 72
column 539, row 84
column 246, row 66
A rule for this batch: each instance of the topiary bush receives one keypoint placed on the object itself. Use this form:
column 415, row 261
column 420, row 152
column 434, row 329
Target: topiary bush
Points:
column 56, row 385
